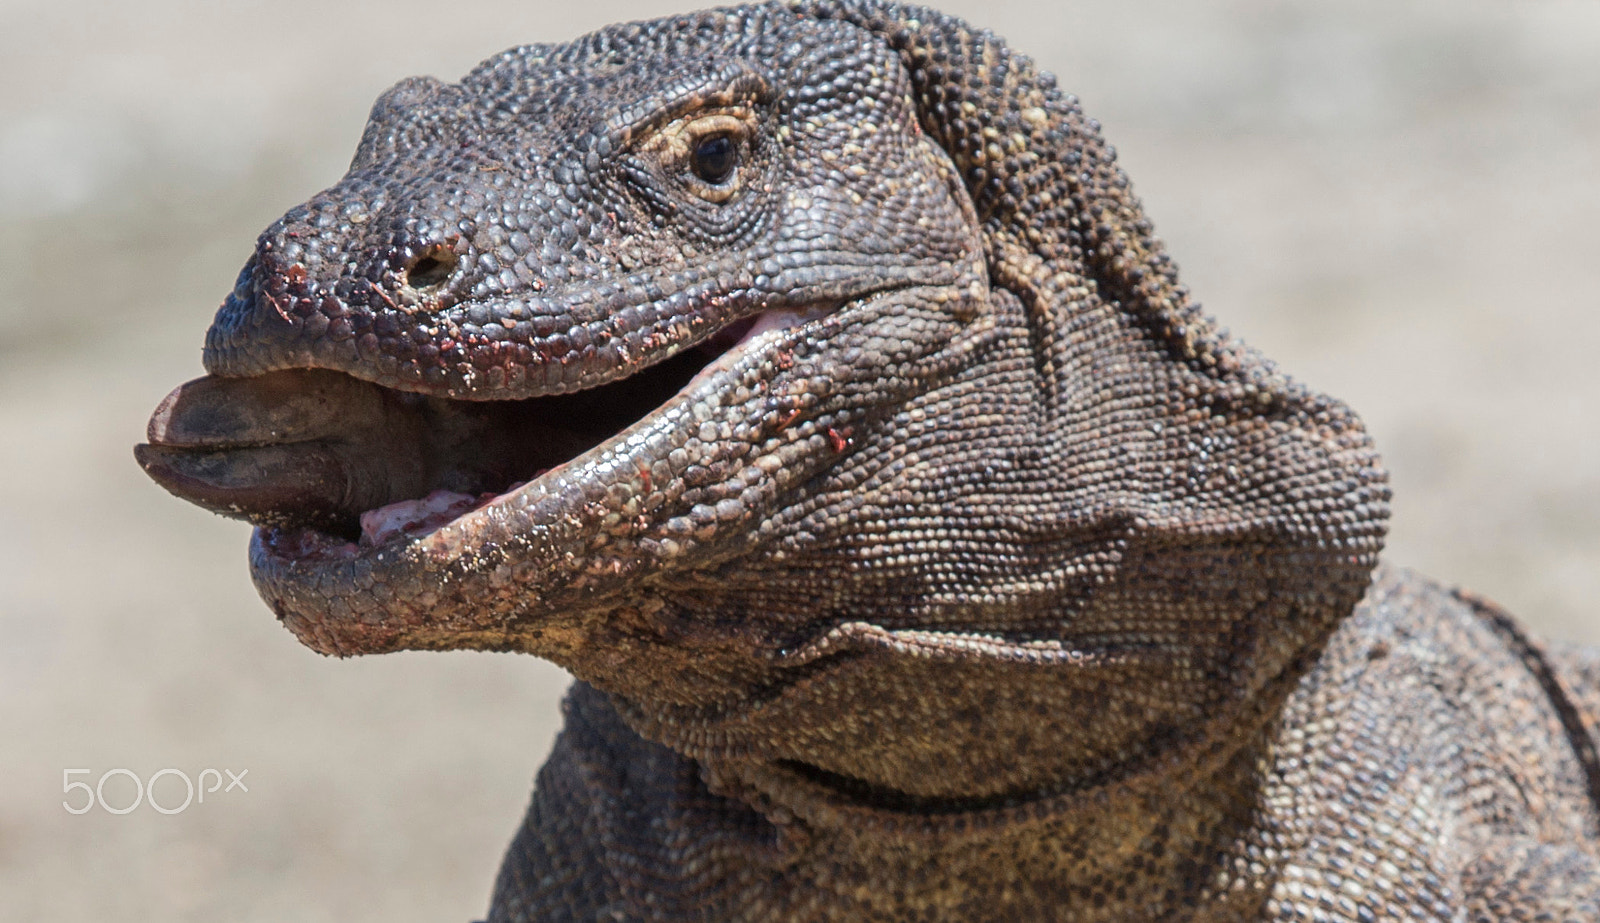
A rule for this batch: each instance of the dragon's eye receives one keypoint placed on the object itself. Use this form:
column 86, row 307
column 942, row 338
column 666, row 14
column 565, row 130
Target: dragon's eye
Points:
column 715, row 157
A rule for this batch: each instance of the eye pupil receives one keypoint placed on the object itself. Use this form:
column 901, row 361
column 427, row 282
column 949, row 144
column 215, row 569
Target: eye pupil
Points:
column 714, row 159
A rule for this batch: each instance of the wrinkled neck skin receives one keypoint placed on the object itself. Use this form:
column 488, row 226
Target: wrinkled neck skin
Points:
column 772, row 846
column 955, row 718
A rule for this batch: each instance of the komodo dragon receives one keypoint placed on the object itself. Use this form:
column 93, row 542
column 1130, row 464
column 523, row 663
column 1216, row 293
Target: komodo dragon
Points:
column 806, row 379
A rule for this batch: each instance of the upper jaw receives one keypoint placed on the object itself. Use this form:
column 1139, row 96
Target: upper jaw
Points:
column 518, row 345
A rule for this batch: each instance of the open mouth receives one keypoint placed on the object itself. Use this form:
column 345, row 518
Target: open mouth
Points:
column 364, row 465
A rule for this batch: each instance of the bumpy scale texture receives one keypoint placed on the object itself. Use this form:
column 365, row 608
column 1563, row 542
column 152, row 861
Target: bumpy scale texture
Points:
column 996, row 583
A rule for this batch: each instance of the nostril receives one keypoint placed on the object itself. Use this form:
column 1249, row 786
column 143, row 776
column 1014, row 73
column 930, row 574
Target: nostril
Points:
column 431, row 269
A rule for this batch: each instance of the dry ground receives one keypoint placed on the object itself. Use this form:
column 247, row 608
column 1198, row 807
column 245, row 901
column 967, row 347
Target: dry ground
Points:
column 1398, row 201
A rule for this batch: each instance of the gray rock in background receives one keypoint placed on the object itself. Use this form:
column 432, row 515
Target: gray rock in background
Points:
column 1398, row 202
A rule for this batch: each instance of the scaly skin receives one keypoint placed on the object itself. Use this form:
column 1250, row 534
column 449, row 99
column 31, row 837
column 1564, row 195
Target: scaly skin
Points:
column 992, row 581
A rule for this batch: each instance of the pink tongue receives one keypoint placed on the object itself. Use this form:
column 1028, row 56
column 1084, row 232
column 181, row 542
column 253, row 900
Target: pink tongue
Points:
column 414, row 517
column 419, row 517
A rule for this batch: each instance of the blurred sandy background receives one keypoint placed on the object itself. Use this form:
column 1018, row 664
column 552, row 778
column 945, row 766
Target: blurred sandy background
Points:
column 1399, row 201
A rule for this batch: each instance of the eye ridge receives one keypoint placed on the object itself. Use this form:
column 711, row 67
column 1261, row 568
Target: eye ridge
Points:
column 715, row 158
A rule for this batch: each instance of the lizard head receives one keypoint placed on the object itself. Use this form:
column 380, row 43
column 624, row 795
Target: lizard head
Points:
column 613, row 301
column 767, row 365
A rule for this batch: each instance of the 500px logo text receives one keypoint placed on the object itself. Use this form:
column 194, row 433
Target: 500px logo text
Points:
column 194, row 791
